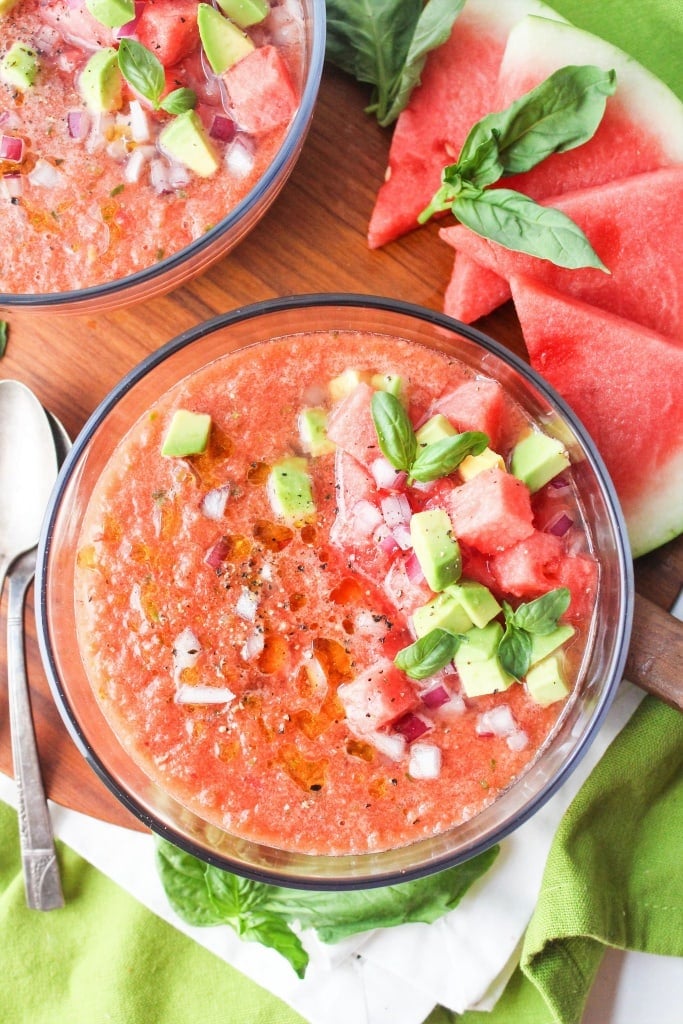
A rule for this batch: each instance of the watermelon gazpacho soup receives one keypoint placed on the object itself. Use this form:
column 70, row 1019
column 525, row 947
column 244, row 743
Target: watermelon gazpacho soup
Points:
column 334, row 591
column 128, row 130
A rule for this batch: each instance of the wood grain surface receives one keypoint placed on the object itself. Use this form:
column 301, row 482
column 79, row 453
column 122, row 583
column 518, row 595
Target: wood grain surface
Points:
column 311, row 240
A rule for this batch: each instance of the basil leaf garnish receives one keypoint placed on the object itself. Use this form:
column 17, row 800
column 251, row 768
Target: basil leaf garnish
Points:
column 441, row 457
column 428, row 655
column 540, row 616
column 518, row 223
column 4, row 331
column 514, row 651
column 178, row 101
column 395, row 432
column 142, row 70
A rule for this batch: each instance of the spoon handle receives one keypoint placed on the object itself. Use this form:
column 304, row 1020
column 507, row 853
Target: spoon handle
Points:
column 41, row 870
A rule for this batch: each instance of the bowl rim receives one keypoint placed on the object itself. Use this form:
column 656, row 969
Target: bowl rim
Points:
column 291, row 143
column 620, row 632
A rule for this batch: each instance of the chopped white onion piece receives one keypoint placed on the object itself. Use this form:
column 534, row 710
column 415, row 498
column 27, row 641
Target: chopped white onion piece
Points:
column 246, row 606
column 425, row 761
column 11, row 186
column 518, row 740
column 396, row 510
column 45, row 175
column 385, row 476
column 497, row 722
column 401, row 535
column 136, row 162
column 392, row 745
column 202, row 694
column 159, row 176
column 214, row 502
column 366, row 517
column 239, row 160
column 186, row 651
column 178, row 175
column 253, row 646
column 139, row 122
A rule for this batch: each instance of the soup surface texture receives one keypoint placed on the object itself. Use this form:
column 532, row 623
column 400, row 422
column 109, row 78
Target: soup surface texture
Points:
column 240, row 609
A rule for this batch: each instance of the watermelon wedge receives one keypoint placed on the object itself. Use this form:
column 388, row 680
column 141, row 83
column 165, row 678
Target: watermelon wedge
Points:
column 626, row 385
column 642, row 130
column 634, row 226
column 457, row 89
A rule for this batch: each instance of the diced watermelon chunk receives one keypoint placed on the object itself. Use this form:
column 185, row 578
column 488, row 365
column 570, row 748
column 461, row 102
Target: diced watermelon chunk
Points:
column 377, row 698
column 476, row 566
column 473, row 291
column 351, row 427
column 478, row 404
column 261, row 90
column 169, row 29
column 350, row 532
column 76, row 24
column 405, row 594
column 491, row 511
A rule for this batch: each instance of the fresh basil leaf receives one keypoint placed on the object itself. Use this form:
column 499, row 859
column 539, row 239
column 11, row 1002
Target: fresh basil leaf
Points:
column 428, row 655
column 518, row 223
column 483, row 165
column 514, row 651
column 432, row 30
column 561, row 113
column 395, row 432
column 274, row 932
column 182, row 877
column 541, row 615
column 178, row 101
column 142, row 70
column 440, row 458
column 4, row 331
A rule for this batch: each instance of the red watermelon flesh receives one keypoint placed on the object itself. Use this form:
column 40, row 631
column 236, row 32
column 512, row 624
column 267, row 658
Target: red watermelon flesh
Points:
column 169, row 29
column 626, row 385
column 642, row 129
column 457, row 88
column 634, row 226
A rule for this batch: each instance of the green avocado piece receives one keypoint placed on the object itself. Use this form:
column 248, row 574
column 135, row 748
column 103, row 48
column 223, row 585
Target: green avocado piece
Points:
column 476, row 600
column 546, row 681
column 441, row 613
column 19, row 67
column 544, row 644
column 245, row 12
column 188, row 434
column 393, row 383
column 101, row 81
column 290, row 491
column 313, row 432
column 477, row 663
column 537, row 458
column 7, row 5
column 435, row 429
column 185, row 140
column 435, row 547
column 224, row 43
column 112, row 13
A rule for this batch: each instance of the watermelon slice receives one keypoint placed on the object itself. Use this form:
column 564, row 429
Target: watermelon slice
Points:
column 457, row 89
column 626, row 384
column 262, row 95
column 642, row 129
column 169, row 29
column 634, row 226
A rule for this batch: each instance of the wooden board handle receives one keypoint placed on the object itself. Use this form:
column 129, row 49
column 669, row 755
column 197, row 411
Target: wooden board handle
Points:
column 655, row 657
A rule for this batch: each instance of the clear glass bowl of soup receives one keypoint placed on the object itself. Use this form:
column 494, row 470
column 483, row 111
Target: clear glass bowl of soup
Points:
column 100, row 213
column 221, row 625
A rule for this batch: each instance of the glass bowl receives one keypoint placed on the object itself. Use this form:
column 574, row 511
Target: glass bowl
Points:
column 187, row 263
column 581, row 717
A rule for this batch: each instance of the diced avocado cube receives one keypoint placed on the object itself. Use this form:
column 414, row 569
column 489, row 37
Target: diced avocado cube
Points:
column 477, row 663
column 347, row 382
column 391, row 382
column 544, row 644
column 112, row 13
column 435, row 429
column 436, row 548
column 481, row 643
column 101, row 82
column 441, row 613
column 537, row 458
column 290, row 490
column 476, row 600
column 473, row 464
column 19, row 67
column 313, row 432
column 185, row 140
column 546, row 681
column 188, row 434
column 224, row 42
column 245, row 12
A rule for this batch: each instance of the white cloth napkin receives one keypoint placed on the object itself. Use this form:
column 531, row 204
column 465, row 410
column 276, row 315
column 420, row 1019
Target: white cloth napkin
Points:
column 392, row 975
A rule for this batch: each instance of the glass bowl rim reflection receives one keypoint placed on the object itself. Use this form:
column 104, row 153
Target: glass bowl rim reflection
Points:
column 346, row 871
column 259, row 193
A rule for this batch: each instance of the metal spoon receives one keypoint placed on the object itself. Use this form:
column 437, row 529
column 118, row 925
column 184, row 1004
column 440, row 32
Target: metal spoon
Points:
column 28, row 470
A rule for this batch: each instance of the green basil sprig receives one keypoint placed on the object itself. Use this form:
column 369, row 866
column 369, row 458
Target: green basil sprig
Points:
column 4, row 331
column 429, row 654
column 561, row 113
column 398, row 442
column 538, row 617
column 145, row 73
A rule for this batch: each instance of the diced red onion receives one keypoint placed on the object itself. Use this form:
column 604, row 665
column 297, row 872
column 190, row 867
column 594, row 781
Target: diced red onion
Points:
column 223, row 128
column 435, row 697
column 217, row 553
column 411, row 726
column 253, row 646
column 386, row 477
column 425, row 761
column 45, row 175
column 214, row 502
column 366, row 517
column 403, row 537
column 46, row 39
column 130, row 28
column 391, row 744
column 78, row 124
column 396, row 510
column 11, row 148
column 559, row 484
column 12, row 186
column 414, row 569
column 178, row 175
column 202, row 694
column 386, row 540
column 559, row 524
column 518, row 740
column 246, row 606
column 239, row 159
column 497, row 721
